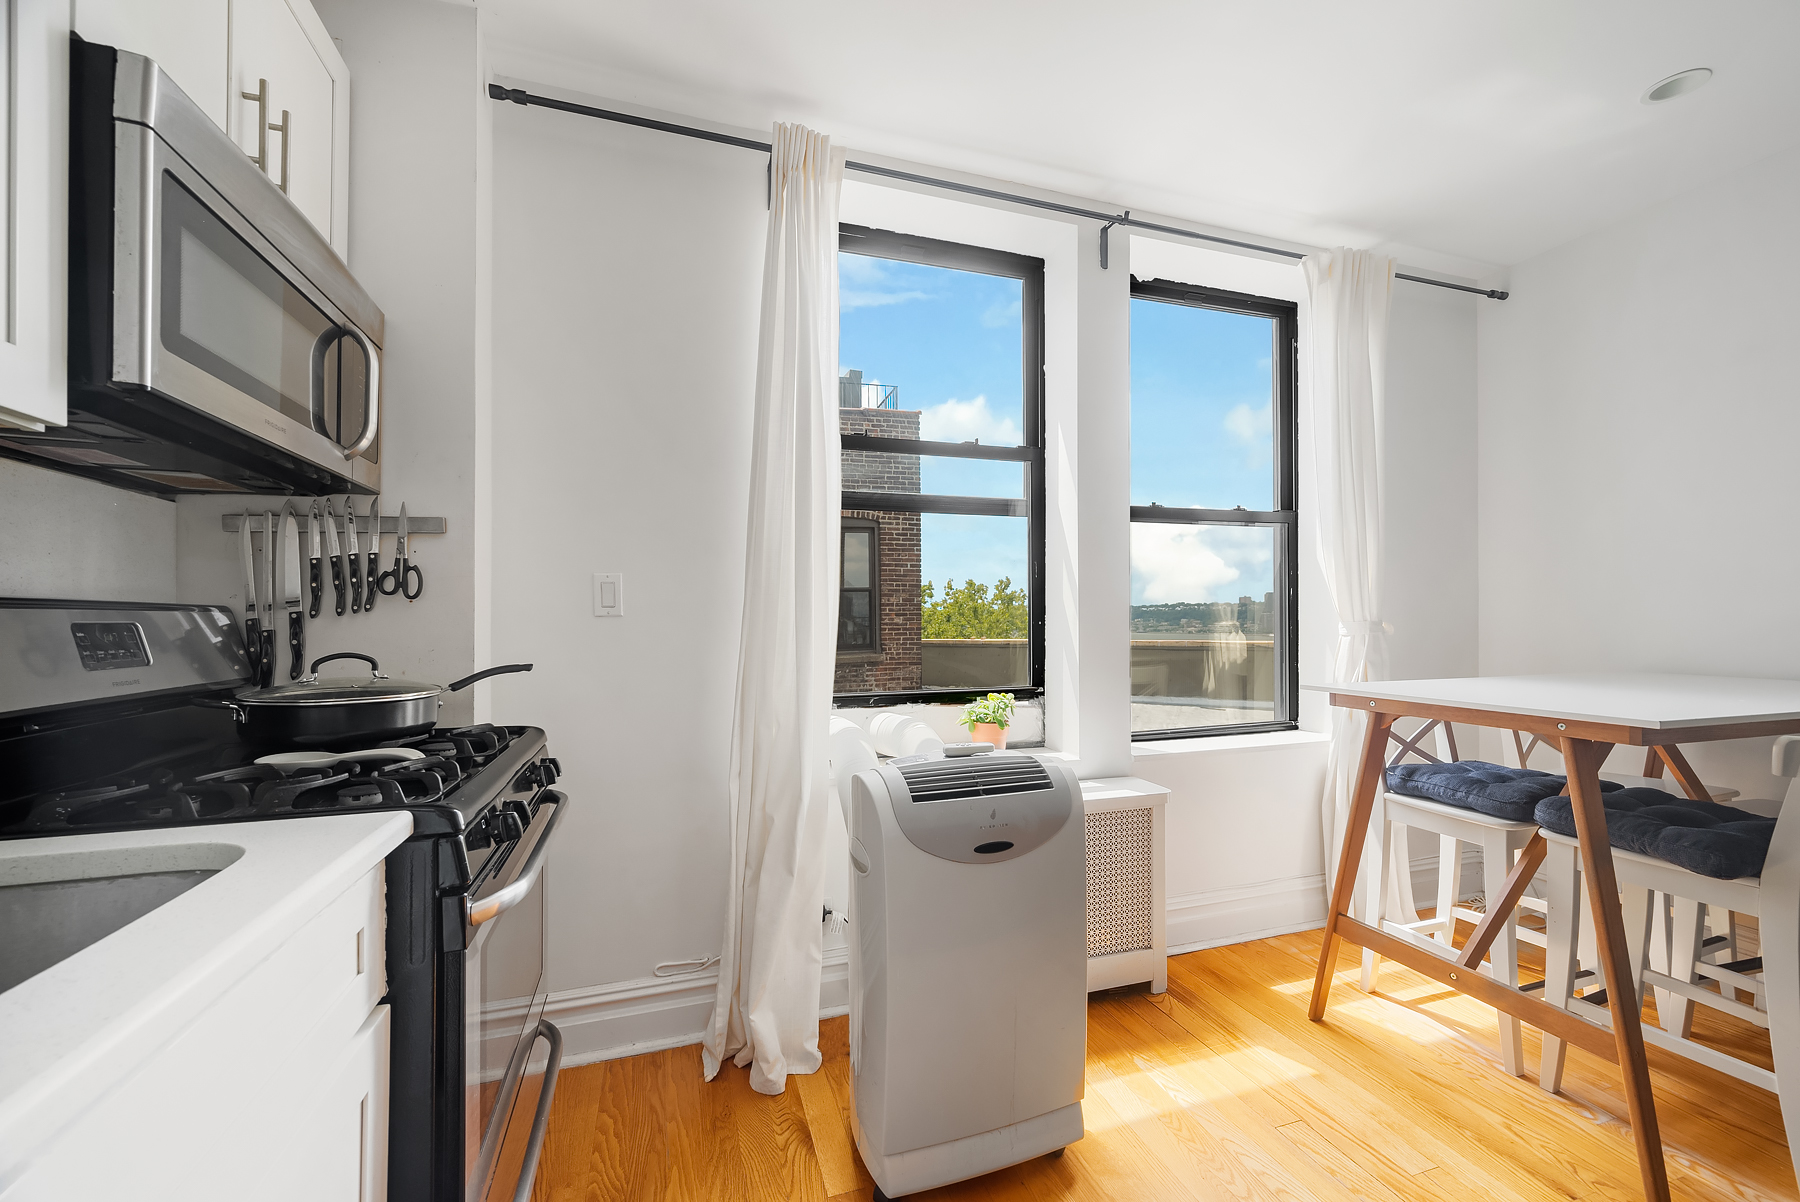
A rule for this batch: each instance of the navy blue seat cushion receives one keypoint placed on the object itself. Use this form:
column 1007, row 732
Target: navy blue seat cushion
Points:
column 1700, row 836
column 1492, row 789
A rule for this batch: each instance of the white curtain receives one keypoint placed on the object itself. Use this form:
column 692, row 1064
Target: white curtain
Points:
column 1349, row 292
column 766, row 1014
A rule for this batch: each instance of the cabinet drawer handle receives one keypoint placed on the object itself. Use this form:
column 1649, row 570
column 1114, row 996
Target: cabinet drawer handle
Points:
column 261, row 96
column 282, row 129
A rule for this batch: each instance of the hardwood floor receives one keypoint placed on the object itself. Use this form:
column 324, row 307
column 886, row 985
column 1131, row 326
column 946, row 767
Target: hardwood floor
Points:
column 1218, row 1089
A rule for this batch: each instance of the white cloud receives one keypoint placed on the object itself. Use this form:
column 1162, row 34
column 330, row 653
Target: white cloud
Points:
column 999, row 315
column 857, row 298
column 964, row 421
column 1250, row 425
column 863, row 284
column 1196, row 563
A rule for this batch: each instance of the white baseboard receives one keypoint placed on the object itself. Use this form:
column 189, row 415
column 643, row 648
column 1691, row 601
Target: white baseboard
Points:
column 1215, row 917
column 628, row 1018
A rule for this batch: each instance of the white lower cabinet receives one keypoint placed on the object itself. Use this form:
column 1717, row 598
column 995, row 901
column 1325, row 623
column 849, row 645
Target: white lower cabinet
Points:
column 279, row 1090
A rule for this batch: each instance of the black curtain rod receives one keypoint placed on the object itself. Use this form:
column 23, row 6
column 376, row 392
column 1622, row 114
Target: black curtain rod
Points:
column 521, row 96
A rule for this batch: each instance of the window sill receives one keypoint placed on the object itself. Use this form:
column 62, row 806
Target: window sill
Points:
column 860, row 657
column 1207, row 743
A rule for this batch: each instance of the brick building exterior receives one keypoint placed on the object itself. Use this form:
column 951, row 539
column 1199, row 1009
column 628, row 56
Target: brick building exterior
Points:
column 895, row 665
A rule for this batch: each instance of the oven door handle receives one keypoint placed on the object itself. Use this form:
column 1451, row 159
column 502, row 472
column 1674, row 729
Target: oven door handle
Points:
column 540, row 1119
column 501, row 900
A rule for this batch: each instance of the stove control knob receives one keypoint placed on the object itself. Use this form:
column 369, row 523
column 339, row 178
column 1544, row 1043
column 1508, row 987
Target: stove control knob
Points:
column 478, row 837
column 507, row 827
column 550, row 769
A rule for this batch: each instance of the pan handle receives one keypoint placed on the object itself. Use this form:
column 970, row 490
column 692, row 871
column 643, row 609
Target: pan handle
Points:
column 374, row 668
column 466, row 681
column 237, row 711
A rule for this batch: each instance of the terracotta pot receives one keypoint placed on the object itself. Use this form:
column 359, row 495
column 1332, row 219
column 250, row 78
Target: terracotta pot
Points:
column 988, row 732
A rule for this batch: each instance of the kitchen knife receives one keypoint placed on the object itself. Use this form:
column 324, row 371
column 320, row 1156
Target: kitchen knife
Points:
column 351, row 556
column 252, row 617
column 290, row 590
column 267, row 597
column 372, row 572
column 317, row 583
column 336, row 555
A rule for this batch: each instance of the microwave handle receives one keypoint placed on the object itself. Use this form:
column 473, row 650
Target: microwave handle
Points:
column 502, row 900
column 373, row 358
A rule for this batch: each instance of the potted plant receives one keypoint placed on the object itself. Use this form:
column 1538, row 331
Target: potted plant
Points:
column 988, row 718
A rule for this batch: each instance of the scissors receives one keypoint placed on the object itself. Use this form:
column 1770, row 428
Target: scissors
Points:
column 404, row 577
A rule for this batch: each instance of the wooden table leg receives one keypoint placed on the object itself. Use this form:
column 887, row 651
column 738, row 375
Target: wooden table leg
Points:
column 1684, row 772
column 1499, row 909
column 1370, row 777
column 1582, row 760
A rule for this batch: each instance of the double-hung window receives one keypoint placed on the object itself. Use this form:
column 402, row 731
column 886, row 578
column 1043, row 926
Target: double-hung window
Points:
column 1214, row 543
column 940, row 405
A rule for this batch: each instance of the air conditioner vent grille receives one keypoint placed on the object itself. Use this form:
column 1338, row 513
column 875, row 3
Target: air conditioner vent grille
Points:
column 976, row 776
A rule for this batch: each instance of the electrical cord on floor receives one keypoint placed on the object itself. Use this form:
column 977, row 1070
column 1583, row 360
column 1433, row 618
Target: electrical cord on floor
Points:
column 681, row 968
column 836, row 922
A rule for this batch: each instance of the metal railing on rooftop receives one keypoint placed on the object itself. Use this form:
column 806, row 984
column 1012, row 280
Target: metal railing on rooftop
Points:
column 853, row 394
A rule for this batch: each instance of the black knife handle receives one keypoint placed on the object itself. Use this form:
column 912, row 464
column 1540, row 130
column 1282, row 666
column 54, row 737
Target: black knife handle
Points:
column 268, row 661
column 318, row 591
column 253, row 647
column 370, row 576
column 337, row 581
column 355, row 582
column 296, row 644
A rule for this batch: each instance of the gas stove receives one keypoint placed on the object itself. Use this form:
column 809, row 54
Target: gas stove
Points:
column 447, row 786
column 110, row 721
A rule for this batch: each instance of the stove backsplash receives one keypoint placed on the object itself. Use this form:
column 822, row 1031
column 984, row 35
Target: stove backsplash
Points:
column 64, row 536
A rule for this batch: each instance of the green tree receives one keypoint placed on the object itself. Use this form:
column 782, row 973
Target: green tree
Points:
column 973, row 610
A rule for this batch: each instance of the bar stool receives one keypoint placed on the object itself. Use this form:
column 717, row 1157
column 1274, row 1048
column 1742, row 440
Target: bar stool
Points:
column 1772, row 979
column 1389, row 902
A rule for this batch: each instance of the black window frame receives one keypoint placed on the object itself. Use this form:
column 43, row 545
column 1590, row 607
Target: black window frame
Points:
column 931, row 252
column 1283, row 518
column 873, row 528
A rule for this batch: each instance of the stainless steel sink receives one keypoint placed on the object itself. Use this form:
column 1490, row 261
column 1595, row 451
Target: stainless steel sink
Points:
column 54, row 905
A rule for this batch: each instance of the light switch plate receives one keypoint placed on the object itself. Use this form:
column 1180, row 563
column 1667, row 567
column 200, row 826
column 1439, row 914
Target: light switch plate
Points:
column 609, row 594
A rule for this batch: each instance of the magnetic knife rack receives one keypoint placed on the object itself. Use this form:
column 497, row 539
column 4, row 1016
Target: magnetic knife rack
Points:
column 389, row 524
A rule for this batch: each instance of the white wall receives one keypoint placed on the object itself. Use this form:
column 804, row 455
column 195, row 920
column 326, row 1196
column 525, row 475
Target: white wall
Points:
column 627, row 283
column 63, row 536
column 418, row 147
column 1638, row 426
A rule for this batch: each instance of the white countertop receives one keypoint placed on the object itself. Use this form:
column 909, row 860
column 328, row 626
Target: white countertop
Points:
column 78, row 1028
column 1647, row 700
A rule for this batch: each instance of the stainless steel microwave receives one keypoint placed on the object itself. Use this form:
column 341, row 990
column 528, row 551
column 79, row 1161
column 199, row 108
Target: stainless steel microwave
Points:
column 216, row 341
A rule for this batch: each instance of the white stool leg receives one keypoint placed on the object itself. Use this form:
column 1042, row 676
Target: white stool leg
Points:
column 1449, row 885
column 1405, row 908
column 1503, row 956
column 1674, row 1012
column 1779, row 921
column 1636, row 904
column 1562, row 925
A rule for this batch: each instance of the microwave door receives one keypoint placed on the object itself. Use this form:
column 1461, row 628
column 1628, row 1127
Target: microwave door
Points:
column 246, row 341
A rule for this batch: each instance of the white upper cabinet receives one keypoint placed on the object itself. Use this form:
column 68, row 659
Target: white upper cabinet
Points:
column 189, row 39
column 34, row 213
column 290, row 104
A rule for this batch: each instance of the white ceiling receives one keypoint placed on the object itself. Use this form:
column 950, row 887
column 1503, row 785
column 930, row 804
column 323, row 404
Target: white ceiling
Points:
column 1459, row 133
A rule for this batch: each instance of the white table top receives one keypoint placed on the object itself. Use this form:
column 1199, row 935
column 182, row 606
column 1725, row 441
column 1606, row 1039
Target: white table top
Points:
column 1648, row 700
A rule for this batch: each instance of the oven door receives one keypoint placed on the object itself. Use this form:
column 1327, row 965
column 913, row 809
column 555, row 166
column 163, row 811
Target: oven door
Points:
column 510, row 1053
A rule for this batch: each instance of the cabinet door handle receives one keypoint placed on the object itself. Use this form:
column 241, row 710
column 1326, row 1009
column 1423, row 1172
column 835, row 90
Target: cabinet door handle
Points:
column 261, row 96
column 282, row 129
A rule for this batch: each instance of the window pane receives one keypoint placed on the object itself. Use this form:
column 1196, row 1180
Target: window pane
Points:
column 954, row 608
column 857, row 554
column 878, row 471
column 1204, row 625
column 854, row 627
column 941, row 344
column 1202, row 388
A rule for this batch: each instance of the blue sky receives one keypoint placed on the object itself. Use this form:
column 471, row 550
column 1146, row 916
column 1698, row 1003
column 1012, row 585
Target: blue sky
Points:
column 951, row 341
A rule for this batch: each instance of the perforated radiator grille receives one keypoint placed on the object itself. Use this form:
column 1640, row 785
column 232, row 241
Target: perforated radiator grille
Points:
column 1121, row 860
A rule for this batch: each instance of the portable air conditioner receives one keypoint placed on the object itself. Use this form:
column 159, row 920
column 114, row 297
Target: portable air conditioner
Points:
column 968, row 967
